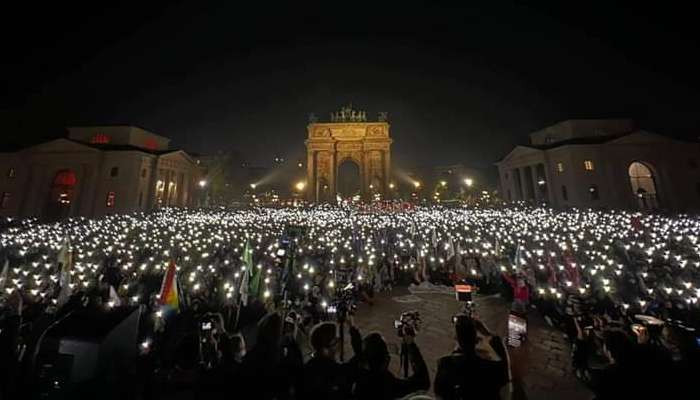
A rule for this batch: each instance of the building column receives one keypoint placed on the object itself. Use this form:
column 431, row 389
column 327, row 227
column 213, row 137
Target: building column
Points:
column 387, row 173
column 311, row 184
column 332, row 189
column 535, row 186
column 523, row 183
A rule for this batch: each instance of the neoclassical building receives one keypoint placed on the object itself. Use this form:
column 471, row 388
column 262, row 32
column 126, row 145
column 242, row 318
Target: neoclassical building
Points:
column 603, row 164
column 348, row 155
column 95, row 171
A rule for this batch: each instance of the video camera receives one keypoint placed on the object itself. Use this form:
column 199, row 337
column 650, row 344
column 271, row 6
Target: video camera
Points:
column 344, row 303
column 408, row 323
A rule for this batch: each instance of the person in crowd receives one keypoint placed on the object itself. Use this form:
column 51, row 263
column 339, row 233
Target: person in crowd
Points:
column 262, row 371
column 479, row 366
column 521, row 293
column 323, row 376
column 227, row 372
column 375, row 381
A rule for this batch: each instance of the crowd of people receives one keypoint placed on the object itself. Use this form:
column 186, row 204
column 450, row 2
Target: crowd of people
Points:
column 622, row 286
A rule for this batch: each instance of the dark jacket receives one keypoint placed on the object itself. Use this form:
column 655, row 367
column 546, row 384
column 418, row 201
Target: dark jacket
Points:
column 466, row 376
column 383, row 384
column 324, row 378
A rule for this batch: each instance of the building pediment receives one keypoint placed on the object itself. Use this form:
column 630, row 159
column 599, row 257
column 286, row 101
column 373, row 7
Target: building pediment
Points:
column 520, row 151
column 178, row 154
column 59, row 146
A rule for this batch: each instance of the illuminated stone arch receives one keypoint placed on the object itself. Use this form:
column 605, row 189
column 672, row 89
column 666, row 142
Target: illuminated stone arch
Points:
column 329, row 144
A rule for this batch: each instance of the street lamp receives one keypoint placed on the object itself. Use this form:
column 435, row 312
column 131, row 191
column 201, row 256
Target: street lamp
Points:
column 202, row 183
column 253, row 186
column 300, row 185
column 391, row 185
column 443, row 183
column 468, row 181
column 416, row 184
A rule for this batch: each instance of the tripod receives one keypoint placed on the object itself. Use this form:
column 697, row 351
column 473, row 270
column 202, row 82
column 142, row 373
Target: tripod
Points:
column 404, row 358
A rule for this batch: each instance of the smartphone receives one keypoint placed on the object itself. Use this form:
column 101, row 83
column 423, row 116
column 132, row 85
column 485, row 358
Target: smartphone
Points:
column 206, row 326
column 697, row 340
column 397, row 324
column 637, row 328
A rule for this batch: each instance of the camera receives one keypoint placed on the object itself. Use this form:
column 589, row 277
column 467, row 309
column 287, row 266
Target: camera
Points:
column 407, row 324
column 344, row 303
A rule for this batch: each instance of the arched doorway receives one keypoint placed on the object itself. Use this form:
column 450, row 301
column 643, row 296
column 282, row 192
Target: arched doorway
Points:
column 61, row 195
column 349, row 183
column 643, row 186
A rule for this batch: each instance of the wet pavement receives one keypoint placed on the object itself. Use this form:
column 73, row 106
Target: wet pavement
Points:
column 541, row 367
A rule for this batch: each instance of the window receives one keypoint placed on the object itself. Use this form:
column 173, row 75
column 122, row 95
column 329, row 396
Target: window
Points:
column 114, row 172
column 100, row 138
column 111, row 198
column 593, row 190
column 564, row 193
column 11, row 173
column 588, row 165
column 5, row 200
column 560, row 167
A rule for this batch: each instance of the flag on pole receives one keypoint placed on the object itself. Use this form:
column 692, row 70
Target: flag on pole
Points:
column 255, row 272
column 245, row 279
column 4, row 274
column 450, row 249
column 65, row 263
column 169, row 297
column 518, row 256
column 114, row 297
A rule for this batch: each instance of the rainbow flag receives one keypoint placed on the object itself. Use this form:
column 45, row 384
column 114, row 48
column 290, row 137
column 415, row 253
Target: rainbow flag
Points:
column 169, row 297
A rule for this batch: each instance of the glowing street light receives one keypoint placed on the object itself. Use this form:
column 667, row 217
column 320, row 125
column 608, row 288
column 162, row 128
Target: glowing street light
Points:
column 202, row 183
column 416, row 184
column 300, row 186
column 391, row 185
column 468, row 181
column 253, row 186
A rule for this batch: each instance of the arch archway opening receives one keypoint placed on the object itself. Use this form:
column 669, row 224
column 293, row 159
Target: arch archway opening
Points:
column 349, row 182
column 61, row 194
column 643, row 184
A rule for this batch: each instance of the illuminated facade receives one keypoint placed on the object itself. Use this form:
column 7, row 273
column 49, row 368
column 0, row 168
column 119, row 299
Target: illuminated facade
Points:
column 603, row 164
column 96, row 171
column 345, row 144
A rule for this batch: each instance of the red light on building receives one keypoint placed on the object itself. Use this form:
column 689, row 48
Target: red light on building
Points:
column 111, row 199
column 100, row 138
column 150, row 144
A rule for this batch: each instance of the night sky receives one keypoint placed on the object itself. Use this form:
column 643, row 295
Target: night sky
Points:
column 460, row 84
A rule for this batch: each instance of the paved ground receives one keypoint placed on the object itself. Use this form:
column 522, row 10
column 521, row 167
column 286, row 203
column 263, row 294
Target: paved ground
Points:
column 541, row 367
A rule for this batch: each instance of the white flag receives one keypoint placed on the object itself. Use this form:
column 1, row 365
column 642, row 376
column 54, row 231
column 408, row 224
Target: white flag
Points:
column 65, row 261
column 114, row 297
column 4, row 274
column 450, row 249
column 245, row 280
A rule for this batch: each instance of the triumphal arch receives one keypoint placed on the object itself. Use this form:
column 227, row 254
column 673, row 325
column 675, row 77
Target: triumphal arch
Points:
column 348, row 155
